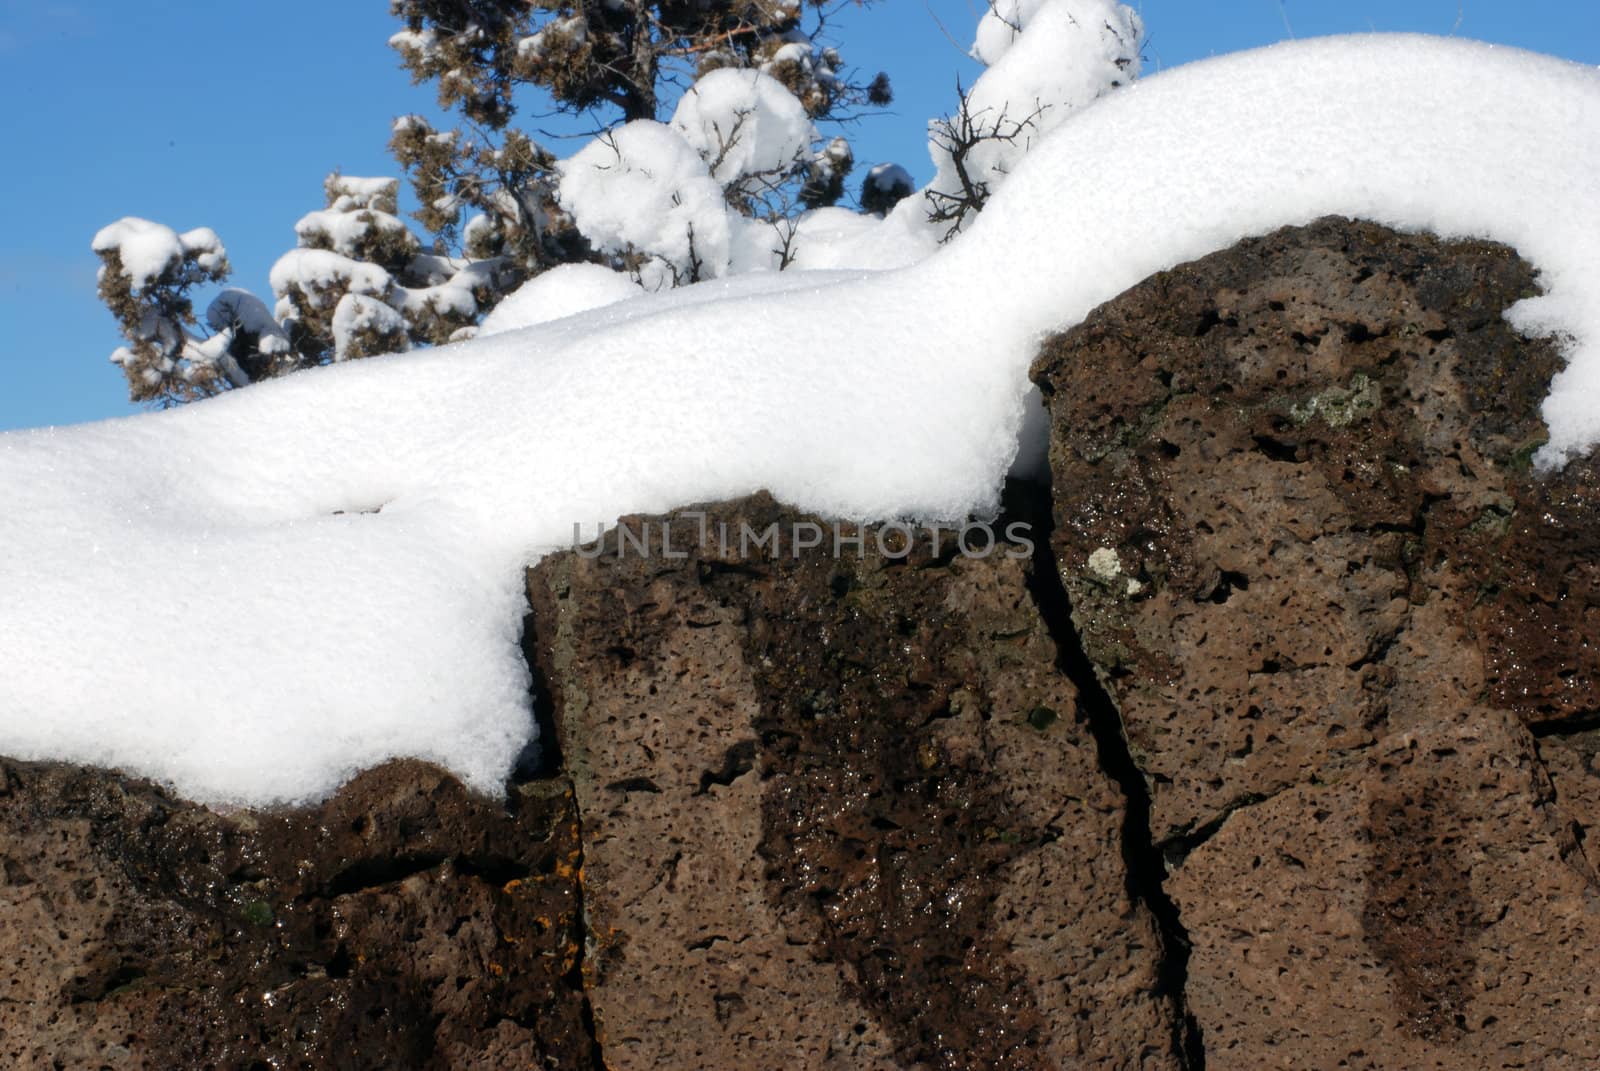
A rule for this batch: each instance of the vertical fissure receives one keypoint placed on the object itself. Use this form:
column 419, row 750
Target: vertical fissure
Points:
column 543, row 759
column 1144, row 864
column 576, row 979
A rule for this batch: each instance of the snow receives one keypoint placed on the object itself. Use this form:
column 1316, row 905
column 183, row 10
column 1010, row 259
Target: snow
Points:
column 207, row 596
column 743, row 122
column 564, row 290
column 349, row 193
column 801, row 61
column 454, row 295
column 320, row 273
column 665, row 190
column 356, row 313
column 1070, row 53
column 840, row 238
column 424, row 43
column 644, row 187
column 345, row 231
column 567, row 33
column 239, row 310
column 1001, row 25
column 150, row 250
column 890, row 178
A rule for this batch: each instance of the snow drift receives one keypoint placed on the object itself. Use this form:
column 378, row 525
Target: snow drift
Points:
column 253, row 597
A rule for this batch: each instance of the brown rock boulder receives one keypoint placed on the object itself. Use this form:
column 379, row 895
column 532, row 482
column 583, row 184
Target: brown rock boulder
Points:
column 1428, row 909
column 402, row 924
column 839, row 812
column 1332, row 602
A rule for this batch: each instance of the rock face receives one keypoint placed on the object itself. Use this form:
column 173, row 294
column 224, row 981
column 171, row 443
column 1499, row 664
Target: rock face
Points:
column 402, row 924
column 1270, row 744
column 840, row 812
column 1334, row 606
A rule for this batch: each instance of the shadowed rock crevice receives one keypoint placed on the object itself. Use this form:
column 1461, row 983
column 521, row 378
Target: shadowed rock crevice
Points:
column 1572, row 727
column 578, row 978
column 542, row 760
column 1143, row 858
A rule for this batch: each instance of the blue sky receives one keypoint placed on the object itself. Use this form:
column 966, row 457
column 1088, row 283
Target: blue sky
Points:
column 209, row 114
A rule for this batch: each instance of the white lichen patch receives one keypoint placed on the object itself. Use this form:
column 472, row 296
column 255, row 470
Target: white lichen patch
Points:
column 1105, row 564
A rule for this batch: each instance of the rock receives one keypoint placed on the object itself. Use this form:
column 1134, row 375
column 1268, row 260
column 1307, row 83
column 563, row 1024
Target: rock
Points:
column 1310, row 561
column 1573, row 762
column 402, row 924
column 1276, row 749
column 823, row 813
column 1430, row 909
column 838, row 813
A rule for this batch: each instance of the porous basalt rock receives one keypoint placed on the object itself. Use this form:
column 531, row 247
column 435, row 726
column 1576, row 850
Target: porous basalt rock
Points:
column 1285, row 450
column 1333, row 603
column 832, row 812
column 1431, row 909
column 1280, row 752
column 401, row 924
column 838, row 811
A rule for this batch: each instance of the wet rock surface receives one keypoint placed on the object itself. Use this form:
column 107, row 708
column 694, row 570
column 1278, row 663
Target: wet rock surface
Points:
column 839, row 812
column 402, row 924
column 1334, row 605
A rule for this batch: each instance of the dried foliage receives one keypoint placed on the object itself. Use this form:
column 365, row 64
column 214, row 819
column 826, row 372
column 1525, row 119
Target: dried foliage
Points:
column 959, row 135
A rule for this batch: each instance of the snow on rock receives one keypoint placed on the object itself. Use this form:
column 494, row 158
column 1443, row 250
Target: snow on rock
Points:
column 643, row 187
column 252, row 597
column 743, row 122
column 564, row 290
column 149, row 250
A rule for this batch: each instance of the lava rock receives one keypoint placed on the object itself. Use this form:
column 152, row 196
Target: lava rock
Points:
column 401, row 924
column 838, row 811
column 1334, row 602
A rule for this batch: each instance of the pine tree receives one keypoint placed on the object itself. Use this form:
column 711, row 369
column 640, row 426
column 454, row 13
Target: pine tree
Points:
column 361, row 282
column 614, row 60
column 736, row 178
column 146, row 274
